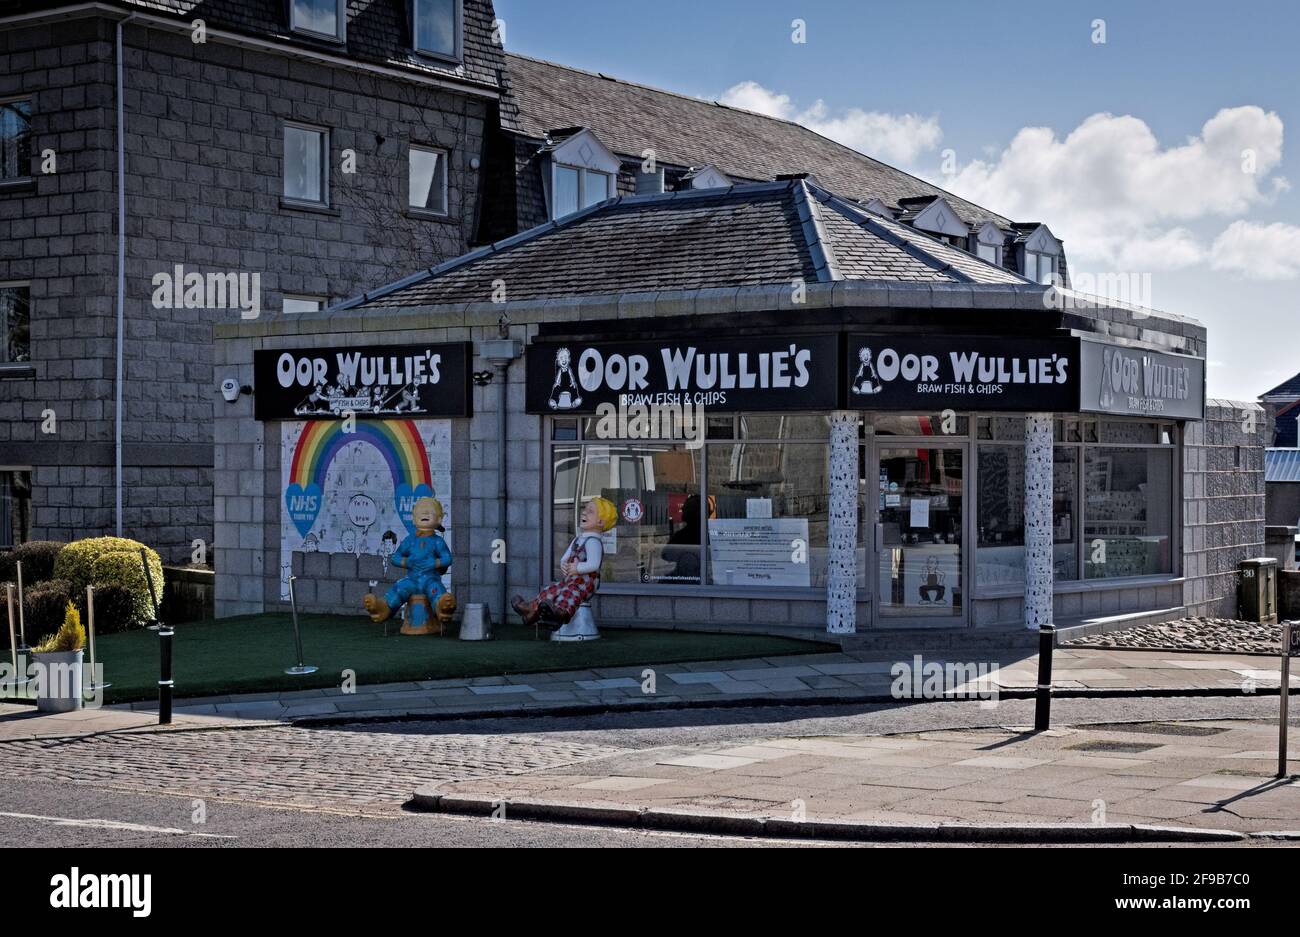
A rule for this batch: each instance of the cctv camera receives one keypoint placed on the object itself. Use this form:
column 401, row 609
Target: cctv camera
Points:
column 230, row 389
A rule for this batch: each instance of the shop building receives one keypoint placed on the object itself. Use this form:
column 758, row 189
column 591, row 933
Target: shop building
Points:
column 809, row 414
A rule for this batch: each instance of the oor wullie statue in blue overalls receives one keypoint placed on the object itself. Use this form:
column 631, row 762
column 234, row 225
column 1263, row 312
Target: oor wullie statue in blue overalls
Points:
column 425, row 557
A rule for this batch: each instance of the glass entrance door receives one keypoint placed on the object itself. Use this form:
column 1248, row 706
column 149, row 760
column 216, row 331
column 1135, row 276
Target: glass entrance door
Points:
column 920, row 567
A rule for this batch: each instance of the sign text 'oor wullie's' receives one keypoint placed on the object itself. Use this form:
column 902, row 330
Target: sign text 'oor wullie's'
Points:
column 368, row 382
column 1134, row 381
column 934, row 372
column 720, row 374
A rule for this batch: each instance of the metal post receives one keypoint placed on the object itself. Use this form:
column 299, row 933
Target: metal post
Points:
column 22, row 621
column 302, row 668
column 13, row 643
column 503, row 486
column 1284, row 703
column 90, row 636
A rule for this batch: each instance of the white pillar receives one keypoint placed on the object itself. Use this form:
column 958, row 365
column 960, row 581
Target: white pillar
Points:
column 1038, row 520
column 842, row 538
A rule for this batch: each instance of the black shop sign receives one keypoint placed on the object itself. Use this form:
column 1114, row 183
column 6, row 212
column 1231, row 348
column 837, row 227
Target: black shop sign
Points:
column 937, row 372
column 720, row 374
column 368, row 382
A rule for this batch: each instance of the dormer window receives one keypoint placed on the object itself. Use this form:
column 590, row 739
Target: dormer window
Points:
column 579, row 172
column 986, row 243
column 436, row 27
column 323, row 19
column 1042, row 256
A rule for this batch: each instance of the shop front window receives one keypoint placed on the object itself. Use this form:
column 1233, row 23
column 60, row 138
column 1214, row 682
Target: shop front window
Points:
column 1000, row 551
column 656, row 489
column 1112, row 505
column 772, row 514
column 1128, row 511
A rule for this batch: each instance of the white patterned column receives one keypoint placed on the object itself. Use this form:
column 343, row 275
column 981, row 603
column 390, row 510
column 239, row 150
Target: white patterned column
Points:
column 842, row 539
column 1038, row 520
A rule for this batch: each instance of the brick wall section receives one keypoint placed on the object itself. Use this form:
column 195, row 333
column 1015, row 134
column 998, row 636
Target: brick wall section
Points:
column 1223, row 503
column 204, row 162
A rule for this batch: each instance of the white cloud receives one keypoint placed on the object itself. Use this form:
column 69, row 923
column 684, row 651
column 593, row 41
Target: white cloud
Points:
column 1117, row 197
column 1258, row 251
column 894, row 138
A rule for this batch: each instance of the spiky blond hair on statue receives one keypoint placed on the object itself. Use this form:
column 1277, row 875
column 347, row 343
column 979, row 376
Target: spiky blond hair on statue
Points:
column 607, row 511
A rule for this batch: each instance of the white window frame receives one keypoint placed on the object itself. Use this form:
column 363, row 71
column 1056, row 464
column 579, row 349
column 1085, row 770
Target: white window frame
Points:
column 324, row 165
column 458, row 28
column 1038, row 257
column 611, row 183
column 446, row 181
column 286, row 298
column 981, row 247
column 341, row 12
column 26, row 176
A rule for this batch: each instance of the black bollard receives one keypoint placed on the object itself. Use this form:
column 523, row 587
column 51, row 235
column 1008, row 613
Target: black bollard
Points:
column 1043, row 696
column 165, row 683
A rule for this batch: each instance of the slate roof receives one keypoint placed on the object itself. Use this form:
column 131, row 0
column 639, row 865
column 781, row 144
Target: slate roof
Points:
column 1288, row 388
column 377, row 31
column 746, row 235
column 1282, row 465
column 689, row 132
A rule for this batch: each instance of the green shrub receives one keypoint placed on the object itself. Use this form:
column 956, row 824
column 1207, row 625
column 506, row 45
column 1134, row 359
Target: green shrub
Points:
column 115, row 610
column 76, row 563
column 124, row 571
column 37, row 557
column 44, row 606
column 70, row 636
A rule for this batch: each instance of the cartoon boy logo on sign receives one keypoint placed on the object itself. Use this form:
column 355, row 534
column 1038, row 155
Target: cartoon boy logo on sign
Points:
column 564, row 392
column 866, row 381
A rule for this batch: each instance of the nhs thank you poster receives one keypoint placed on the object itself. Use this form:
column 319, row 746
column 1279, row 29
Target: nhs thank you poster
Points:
column 352, row 492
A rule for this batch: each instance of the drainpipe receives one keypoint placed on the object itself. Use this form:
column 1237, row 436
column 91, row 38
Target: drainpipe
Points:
column 500, row 352
column 121, row 280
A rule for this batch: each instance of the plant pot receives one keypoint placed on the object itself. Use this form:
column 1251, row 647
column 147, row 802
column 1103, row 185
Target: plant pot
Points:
column 58, row 686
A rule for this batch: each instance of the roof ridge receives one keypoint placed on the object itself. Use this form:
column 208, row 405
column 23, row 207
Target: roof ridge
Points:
column 820, row 247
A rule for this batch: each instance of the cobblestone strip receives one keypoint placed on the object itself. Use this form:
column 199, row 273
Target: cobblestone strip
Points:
column 332, row 768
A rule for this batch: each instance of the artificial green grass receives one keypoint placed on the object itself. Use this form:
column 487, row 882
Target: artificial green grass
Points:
column 248, row 654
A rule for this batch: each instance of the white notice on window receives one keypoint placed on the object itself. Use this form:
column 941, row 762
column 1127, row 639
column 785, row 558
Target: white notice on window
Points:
column 920, row 513
column 760, row 552
column 758, row 507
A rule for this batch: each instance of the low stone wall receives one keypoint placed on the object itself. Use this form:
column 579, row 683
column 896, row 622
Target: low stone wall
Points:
column 188, row 594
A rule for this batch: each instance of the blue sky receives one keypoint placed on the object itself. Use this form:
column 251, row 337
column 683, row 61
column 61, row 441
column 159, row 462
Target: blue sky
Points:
column 1014, row 108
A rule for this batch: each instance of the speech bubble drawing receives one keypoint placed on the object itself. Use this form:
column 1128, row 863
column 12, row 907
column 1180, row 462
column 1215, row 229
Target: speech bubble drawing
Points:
column 362, row 511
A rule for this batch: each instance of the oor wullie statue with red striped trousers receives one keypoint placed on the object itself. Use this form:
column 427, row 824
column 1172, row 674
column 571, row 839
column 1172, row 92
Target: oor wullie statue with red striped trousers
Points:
column 580, row 565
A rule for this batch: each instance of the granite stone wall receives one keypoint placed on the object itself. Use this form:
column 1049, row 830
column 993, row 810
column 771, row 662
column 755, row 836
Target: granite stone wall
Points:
column 1223, row 503
column 204, row 154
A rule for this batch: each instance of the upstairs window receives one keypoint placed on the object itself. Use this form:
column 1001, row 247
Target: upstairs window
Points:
column 428, row 180
column 306, row 175
column 435, row 27
column 15, row 324
column 577, row 188
column 1041, row 268
column 989, row 252
column 15, row 140
column 321, row 18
